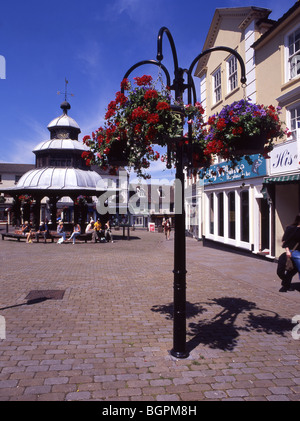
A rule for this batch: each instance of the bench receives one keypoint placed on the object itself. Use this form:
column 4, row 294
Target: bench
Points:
column 19, row 236
column 84, row 237
column 51, row 236
column 13, row 235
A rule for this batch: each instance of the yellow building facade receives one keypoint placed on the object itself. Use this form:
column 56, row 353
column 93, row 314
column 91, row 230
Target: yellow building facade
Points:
column 277, row 59
column 251, row 213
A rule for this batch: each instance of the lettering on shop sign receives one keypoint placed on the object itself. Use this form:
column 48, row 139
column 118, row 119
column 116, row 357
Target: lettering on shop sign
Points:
column 284, row 159
column 225, row 171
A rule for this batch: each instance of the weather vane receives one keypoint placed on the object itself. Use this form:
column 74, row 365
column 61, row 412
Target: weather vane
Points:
column 66, row 90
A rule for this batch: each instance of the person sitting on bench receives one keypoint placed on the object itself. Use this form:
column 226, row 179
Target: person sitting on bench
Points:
column 61, row 232
column 75, row 233
column 98, row 234
column 26, row 231
column 43, row 230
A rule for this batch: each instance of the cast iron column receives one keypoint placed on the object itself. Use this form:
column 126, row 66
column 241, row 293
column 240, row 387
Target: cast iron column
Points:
column 179, row 303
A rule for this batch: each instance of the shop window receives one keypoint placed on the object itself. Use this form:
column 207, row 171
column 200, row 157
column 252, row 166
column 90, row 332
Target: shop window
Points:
column 211, row 213
column 245, row 216
column 221, row 214
column 231, row 215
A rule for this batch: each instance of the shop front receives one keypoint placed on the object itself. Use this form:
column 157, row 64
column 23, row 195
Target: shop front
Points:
column 235, row 211
column 282, row 189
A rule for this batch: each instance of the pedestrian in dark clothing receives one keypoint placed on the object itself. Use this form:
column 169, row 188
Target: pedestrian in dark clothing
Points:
column 285, row 276
column 291, row 243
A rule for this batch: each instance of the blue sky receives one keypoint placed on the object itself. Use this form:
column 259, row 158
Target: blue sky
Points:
column 92, row 43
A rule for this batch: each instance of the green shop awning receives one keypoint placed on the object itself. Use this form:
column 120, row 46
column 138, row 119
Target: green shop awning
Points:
column 282, row 179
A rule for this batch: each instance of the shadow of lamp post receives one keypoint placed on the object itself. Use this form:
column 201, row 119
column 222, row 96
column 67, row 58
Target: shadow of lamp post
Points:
column 179, row 86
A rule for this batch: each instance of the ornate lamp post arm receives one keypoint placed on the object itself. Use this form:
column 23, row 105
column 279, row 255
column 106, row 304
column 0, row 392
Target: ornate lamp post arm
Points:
column 141, row 63
column 159, row 55
column 210, row 50
column 178, row 83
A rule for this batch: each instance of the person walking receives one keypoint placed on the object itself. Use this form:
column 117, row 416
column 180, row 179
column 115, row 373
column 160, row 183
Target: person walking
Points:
column 291, row 243
column 285, row 275
column 108, row 234
column 167, row 228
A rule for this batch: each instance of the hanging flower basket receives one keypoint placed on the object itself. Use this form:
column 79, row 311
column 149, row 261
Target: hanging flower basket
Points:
column 134, row 123
column 193, row 143
column 199, row 158
column 117, row 156
column 80, row 200
column 251, row 144
column 196, row 145
column 26, row 199
column 242, row 129
column 193, row 154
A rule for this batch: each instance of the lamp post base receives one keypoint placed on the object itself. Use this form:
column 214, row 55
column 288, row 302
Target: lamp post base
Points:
column 178, row 354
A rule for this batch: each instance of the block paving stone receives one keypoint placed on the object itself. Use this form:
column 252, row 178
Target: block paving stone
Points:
column 109, row 338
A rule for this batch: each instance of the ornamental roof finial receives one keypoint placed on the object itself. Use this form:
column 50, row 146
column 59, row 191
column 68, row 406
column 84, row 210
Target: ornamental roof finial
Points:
column 65, row 106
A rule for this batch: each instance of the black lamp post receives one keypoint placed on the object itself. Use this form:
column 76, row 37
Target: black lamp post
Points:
column 179, row 86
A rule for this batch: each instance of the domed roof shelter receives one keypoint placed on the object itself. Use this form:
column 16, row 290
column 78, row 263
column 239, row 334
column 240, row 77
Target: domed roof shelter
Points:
column 60, row 170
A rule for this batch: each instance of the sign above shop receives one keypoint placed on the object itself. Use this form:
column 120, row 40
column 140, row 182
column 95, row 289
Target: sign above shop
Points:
column 284, row 158
column 223, row 173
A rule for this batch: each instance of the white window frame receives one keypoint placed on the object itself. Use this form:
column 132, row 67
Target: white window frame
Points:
column 217, row 86
column 296, row 130
column 232, row 74
column 292, row 57
column 212, row 196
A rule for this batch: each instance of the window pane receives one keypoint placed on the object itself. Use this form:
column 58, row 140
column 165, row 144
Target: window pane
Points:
column 245, row 216
column 294, row 50
column 211, row 213
column 217, row 86
column 232, row 73
column 294, row 121
column 231, row 200
column 221, row 214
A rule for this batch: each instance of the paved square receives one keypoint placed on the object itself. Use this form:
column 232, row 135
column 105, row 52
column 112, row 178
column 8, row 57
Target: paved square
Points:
column 109, row 337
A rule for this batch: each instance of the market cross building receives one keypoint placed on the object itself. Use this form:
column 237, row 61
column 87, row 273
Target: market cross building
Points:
column 60, row 177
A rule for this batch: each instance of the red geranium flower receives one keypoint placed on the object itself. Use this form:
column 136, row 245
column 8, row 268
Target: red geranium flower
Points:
column 151, row 93
column 153, row 119
column 163, row 106
column 139, row 112
column 125, row 84
column 143, row 81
